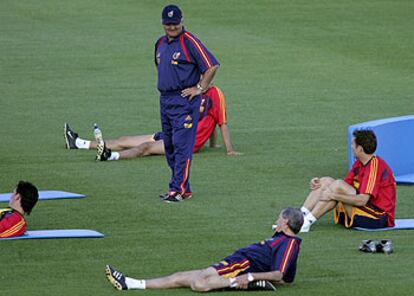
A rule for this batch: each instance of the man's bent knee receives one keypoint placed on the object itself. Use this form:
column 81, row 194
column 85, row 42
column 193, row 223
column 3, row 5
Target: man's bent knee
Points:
column 340, row 186
column 326, row 181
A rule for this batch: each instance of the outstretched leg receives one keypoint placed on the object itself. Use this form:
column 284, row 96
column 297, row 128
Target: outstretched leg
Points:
column 124, row 142
column 144, row 149
column 201, row 280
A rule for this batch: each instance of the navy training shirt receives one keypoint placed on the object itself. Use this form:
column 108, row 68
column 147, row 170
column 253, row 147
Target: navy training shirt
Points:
column 181, row 61
column 277, row 253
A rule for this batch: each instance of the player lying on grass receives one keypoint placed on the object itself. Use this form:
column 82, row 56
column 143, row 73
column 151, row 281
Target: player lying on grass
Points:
column 22, row 201
column 213, row 112
column 364, row 198
column 258, row 266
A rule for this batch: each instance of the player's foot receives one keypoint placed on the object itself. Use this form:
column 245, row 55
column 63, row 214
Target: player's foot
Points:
column 103, row 153
column 70, row 137
column 306, row 226
column 177, row 197
column 261, row 285
column 385, row 246
column 368, row 246
column 116, row 278
column 164, row 195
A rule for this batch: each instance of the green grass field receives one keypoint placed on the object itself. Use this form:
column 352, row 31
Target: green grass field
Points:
column 296, row 74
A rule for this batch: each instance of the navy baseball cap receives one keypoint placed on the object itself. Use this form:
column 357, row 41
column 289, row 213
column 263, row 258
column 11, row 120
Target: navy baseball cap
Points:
column 171, row 14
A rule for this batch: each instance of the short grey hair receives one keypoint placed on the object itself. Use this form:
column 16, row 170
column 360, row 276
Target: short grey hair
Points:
column 294, row 217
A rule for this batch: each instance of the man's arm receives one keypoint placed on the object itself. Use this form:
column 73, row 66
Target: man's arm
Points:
column 213, row 140
column 202, row 85
column 273, row 276
column 225, row 135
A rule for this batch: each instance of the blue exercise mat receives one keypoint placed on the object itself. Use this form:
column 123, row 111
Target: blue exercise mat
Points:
column 399, row 224
column 47, row 194
column 60, row 233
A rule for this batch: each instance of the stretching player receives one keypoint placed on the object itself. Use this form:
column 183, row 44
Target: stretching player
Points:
column 212, row 112
column 22, row 201
column 258, row 266
column 364, row 198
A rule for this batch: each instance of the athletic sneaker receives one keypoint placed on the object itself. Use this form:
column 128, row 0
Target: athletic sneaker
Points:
column 385, row 246
column 116, row 278
column 103, row 153
column 261, row 285
column 177, row 197
column 70, row 137
column 368, row 246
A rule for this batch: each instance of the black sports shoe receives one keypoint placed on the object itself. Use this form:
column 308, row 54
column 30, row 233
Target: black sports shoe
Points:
column 385, row 246
column 103, row 153
column 186, row 195
column 261, row 285
column 116, row 278
column 164, row 195
column 368, row 246
column 177, row 197
column 70, row 137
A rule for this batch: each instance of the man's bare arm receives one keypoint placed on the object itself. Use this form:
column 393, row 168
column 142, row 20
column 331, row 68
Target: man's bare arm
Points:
column 351, row 199
column 213, row 139
column 225, row 135
column 273, row 276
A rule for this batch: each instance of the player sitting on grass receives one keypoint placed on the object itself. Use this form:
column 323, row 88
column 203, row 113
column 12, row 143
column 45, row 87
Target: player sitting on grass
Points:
column 213, row 112
column 364, row 198
column 21, row 203
column 258, row 266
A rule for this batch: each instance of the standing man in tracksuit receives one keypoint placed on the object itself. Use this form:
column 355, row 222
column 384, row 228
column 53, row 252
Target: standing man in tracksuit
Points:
column 185, row 70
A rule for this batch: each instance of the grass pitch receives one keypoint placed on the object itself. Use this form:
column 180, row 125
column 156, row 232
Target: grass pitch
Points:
column 296, row 74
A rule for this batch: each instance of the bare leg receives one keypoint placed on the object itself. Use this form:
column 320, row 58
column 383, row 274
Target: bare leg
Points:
column 314, row 195
column 202, row 280
column 176, row 280
column 209, row 280
column 124, row 142
column 144, row 149
column 338, row 186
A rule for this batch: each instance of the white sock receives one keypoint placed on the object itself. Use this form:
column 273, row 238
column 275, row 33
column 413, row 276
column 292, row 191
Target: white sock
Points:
column 233, row 283
column 82, row 144
column 114, row 156
column 305, row 211
column 311, row 218
column 135, row 284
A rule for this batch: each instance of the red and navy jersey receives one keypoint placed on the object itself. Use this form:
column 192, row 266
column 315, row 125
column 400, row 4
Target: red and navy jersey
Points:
column 12, row 223
column 376, row 179
column 213, row 112
column 277, row 253
column 181, row 61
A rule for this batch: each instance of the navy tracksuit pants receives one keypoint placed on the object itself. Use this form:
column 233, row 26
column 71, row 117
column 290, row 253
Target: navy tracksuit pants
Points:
column 179, row 119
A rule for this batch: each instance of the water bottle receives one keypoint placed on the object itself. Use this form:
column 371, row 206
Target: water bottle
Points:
column 97, row 133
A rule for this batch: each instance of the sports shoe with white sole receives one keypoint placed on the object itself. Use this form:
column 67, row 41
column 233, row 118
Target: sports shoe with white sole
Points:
column 116, row 278
column 177, row 197
column 70, row 137
column 368, row 246
column 261, row 285
column 385, row 246
column 102, row 152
